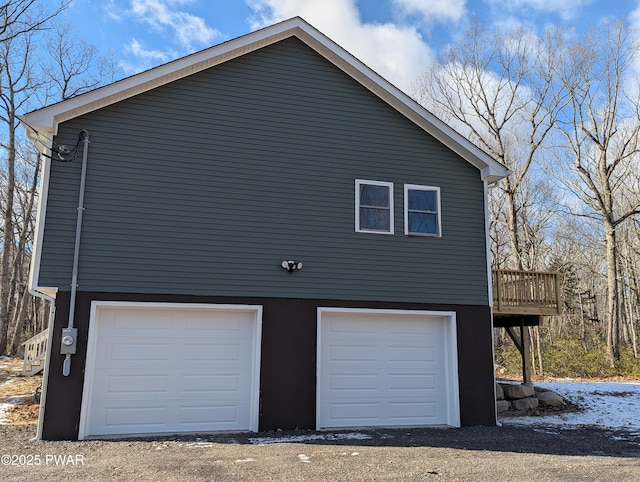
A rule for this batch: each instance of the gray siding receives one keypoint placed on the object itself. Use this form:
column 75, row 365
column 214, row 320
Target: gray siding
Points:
column 203, row 186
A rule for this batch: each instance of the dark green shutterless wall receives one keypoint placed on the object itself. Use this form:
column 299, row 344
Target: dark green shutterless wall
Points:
column 203, row 186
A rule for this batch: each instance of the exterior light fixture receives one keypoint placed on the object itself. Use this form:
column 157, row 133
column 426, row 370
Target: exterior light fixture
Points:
column 291, row 266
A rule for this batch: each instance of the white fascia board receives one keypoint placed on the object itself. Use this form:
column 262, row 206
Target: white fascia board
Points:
column 490, row 169
column 46, row 120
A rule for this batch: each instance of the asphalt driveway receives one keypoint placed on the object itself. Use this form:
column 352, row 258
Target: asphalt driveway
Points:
column 475, row 453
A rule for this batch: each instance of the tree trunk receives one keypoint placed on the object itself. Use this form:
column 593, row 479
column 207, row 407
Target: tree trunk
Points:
column 512, row 219
column 7, row 239
column 539, row 350
column 613, row 320
column 20, row 321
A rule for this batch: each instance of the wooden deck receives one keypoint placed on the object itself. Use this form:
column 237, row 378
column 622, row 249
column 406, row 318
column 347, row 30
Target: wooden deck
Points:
column 526, row 292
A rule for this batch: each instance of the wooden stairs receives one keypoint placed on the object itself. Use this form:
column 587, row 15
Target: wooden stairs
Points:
column 35, row 352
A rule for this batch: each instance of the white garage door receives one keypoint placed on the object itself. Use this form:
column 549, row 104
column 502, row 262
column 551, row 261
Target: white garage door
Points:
column 171, row 368
column 386, row 368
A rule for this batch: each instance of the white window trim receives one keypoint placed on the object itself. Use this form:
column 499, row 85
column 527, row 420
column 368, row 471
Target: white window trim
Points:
column 418, row 187
column 389, row 185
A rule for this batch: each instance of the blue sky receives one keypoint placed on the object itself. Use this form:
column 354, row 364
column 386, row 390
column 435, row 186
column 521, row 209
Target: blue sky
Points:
column 397, row 38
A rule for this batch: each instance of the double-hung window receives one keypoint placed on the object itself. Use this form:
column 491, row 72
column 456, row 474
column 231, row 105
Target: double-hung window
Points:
column 374, row 207
column 422, row 210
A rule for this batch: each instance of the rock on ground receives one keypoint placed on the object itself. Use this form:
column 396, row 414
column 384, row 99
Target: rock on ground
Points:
column 530, row 403
column 550, row 399
column 514, row 392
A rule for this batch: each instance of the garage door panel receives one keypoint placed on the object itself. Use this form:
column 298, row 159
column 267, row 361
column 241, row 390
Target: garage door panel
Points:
column 396, row 375
column 125, row 385
column 347, row 384
column 411, row 382
column 201, row 321
column 205, row 385
column 213, row 352
column 140, row 322
column 347, row 387
column 125, row 418
column 411, row 413
column 131, row 386
column 414, row 326
column 410, row 354
column 362, row 413
column 193, row 378
column 219, row 416
column 173, row 416
column 354, row 326
column 357, row 353
column 161, row 322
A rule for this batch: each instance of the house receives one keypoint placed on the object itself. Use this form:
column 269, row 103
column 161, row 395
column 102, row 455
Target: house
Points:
column 265, row 234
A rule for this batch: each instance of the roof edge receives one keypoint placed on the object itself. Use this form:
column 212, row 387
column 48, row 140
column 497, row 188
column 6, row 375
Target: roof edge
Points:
column 46, row 120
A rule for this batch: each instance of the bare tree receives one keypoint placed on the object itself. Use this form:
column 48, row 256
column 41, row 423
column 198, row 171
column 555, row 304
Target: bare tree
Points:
column 29, row 76
column 24, row 222
column 75, row 65
column 17, row 84
column 18, row 17
column 496, row 88
column 600, row 128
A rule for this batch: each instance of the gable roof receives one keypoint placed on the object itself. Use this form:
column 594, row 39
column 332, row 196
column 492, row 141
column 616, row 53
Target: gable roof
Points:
column 47, row 119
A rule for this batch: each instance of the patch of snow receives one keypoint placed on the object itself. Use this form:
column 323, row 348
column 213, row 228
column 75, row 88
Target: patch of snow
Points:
column 200, row 444
column 603, row 404
column 309, row 437
column 6, row 406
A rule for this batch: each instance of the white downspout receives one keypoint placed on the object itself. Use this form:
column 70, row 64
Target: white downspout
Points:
column 488, row 186
column 39, row 294
column 69, row 334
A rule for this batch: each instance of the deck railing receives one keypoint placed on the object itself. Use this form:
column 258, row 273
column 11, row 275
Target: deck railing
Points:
column 35, row 351
column 526, row 292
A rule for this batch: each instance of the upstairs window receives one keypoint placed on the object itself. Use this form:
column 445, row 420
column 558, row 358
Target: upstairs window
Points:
column 422, row 210
column 374, row 207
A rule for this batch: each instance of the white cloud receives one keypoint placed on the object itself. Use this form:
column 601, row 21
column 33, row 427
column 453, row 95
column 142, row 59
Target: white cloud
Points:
column 189, row 30
column 113, row 11
column 166, row 18
column 567, row 9
column 137, row 49
column 633, row 19
column 396, row 52
column 433, row 10
column 632, row 80
column 145, row 58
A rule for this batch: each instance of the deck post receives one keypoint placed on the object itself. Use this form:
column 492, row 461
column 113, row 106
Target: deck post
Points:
column 526, row 352
column 498, row 283
column 523, row 344
column 558, row 294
